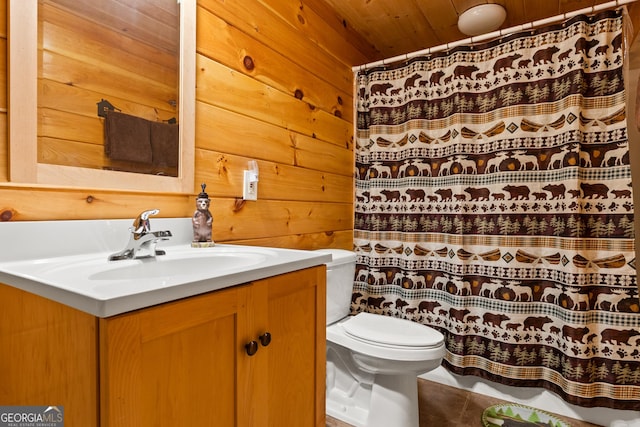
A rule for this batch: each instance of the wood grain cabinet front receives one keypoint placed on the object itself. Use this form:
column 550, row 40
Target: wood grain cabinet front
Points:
column 185, row 363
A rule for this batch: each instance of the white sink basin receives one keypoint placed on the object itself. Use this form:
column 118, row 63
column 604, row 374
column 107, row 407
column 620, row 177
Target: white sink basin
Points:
column 169, row 266
column 69, row 264
column 178, row 263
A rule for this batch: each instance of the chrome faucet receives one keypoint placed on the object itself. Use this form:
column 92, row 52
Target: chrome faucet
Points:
column 142, row 241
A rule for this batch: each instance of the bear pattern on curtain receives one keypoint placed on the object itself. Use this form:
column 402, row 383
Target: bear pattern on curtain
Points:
column 494, row 203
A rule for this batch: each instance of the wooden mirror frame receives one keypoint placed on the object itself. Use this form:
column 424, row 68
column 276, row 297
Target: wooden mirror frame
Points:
column 23, row 113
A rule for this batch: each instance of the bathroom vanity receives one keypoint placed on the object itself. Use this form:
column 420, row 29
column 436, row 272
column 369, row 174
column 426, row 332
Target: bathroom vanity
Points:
column 245, row 350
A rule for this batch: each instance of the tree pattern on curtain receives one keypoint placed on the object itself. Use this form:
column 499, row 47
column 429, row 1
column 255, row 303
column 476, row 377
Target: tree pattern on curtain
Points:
column 494, row 203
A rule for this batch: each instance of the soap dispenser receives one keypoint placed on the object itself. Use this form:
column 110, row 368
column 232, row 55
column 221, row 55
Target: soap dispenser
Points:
column 202, row 221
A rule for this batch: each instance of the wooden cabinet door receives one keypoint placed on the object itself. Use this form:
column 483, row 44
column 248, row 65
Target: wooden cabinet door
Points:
column 185, row 363
column 173, row 364
column 293, row 312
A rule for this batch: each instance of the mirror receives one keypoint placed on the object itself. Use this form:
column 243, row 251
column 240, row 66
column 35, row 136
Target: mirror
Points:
column 31, row 124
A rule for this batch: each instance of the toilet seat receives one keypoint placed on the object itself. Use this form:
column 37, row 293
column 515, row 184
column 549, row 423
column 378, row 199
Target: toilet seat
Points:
column 387, row 337
column 391, row 331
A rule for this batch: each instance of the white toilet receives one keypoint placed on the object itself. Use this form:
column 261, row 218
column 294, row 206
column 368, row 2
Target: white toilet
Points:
column 372, row 360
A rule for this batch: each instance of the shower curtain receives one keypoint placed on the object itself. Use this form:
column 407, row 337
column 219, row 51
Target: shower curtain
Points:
column 494, row 203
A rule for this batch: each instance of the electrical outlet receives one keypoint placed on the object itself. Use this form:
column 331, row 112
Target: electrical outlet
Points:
column 250, row 186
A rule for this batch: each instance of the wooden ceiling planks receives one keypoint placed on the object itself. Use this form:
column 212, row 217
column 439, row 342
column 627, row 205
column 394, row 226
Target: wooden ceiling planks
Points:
column 537, row 11
column 396, row 27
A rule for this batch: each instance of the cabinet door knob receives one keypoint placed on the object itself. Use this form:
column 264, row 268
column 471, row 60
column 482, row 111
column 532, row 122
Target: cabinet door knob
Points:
column 251, row 348
column 265, row 339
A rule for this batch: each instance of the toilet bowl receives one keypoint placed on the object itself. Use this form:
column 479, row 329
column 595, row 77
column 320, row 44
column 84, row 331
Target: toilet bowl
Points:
column 372, row 360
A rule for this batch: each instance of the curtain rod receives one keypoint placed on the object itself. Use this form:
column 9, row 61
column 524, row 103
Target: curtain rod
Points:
column 493, row 34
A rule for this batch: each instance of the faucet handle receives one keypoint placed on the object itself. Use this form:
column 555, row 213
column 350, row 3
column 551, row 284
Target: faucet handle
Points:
column 147, row 214
column 141, row 224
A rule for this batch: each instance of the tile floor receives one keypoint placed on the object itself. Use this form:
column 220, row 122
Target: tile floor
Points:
column 452, row 407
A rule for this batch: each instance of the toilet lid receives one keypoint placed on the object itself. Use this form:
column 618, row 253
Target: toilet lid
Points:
column 391, row 331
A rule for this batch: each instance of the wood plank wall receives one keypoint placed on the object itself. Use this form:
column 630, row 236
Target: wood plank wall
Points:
column 4, row 149
column 274, row 84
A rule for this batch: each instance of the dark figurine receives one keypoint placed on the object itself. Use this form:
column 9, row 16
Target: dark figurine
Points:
column 202, row 218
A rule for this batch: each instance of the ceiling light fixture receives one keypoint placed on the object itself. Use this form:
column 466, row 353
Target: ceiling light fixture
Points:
column 481, row 19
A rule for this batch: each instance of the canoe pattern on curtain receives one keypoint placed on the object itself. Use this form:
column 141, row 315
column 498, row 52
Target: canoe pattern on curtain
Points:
column 494, row 203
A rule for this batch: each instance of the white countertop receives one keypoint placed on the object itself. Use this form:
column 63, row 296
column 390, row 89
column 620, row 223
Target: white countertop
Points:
column 66, row 261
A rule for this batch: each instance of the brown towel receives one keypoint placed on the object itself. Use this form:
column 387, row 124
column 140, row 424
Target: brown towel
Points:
column 127, row 138
column 165, row 144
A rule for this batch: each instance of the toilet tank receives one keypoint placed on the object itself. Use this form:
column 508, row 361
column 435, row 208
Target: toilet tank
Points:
column 341, row 273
